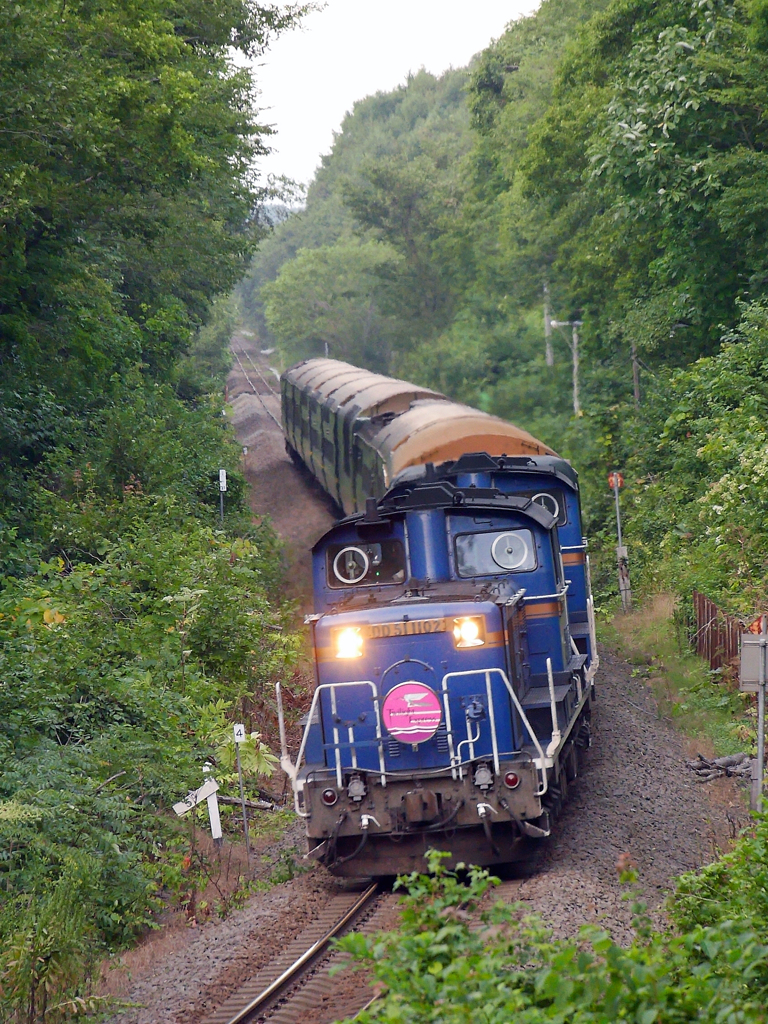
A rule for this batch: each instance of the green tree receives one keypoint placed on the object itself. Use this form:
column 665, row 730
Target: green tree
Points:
column 393, row 175
column 127, row 135
column 324, row 301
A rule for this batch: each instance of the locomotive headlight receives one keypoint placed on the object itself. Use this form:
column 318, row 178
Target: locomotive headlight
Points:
column 347, row 642
column 469, row 631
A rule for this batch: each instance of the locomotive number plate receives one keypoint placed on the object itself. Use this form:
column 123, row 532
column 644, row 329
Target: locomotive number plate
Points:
column 410, row 628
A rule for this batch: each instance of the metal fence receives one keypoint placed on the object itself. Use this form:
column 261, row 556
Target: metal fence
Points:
column 718, row 635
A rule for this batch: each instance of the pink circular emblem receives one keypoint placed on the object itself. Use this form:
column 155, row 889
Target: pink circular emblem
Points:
column 411, row 712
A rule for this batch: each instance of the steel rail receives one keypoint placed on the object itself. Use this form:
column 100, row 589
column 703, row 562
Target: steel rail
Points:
column 317, row 947
column 263, row 379
column 253, row 387
column 266, row 383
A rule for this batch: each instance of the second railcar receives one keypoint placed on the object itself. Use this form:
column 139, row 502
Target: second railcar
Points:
column 355, row 431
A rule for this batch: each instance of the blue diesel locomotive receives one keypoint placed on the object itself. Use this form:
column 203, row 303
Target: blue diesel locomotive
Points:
column 455, row 661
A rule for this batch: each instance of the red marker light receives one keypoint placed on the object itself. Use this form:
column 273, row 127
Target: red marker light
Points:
column 511, row 780
column 329, row 797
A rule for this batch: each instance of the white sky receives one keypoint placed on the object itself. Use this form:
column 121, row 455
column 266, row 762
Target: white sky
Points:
column 310, row 77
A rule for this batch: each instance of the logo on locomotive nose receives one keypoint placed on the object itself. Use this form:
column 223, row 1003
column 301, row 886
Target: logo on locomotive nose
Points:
column 411, row 712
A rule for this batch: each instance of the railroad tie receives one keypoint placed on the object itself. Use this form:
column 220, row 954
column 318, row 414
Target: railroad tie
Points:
column 268, row 974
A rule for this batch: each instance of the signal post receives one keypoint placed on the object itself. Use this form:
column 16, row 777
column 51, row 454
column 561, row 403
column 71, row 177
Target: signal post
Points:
column 615, row 481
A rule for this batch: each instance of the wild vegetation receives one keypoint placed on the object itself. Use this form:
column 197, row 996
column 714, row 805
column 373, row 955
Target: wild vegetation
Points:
column 455, row 959
column 134, row 626
column 609, row 156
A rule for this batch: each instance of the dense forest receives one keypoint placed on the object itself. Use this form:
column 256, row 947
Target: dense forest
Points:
column 133, row 625
column 602, row 163
column 599, row 163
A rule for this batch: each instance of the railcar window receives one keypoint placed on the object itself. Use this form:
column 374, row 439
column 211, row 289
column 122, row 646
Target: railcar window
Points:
column 365, row 565
column 491, row 553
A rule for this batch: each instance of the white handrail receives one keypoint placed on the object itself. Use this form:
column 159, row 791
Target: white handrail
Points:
column 554, row 743
column 542, row 766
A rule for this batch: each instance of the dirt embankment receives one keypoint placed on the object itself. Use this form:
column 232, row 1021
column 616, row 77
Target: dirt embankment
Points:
column 299, row 510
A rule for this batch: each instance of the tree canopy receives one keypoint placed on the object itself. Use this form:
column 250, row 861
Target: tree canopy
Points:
column 609, row 156
column 127, row 139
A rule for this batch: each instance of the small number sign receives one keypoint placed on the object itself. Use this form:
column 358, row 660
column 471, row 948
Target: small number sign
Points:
column 239, row 731
column 615, row 480
column 222, row 479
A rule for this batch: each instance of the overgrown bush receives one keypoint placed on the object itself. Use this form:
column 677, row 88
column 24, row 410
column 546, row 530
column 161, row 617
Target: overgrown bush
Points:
column 732, row 888
column 699, row 488
column 450, row 962
column 121, row 662
column 133, row 628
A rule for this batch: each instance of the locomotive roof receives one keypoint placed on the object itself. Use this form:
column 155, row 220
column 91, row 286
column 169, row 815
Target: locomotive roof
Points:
column 440, row 431
column 341, row 384
column 442, row 494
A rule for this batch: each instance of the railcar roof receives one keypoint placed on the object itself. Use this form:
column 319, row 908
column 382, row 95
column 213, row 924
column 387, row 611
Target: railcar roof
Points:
column 438, row 431
column 481, row 462
column 343, row 384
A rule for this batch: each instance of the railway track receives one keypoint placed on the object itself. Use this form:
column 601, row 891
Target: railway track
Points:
column 296, row 986
column 259, row 394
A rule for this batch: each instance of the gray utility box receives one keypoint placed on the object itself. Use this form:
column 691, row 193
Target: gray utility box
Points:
column 752, row 670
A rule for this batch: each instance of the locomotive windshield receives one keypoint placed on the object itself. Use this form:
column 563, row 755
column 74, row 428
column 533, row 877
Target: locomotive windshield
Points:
column 491, row 553
column 365, row 565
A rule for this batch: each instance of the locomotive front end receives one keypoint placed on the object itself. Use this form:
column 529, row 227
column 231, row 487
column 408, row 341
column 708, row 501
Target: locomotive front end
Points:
column 412, row 736
column 422, row 731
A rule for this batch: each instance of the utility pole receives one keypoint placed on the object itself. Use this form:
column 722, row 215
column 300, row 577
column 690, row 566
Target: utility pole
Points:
column 548, row 350
column 574, row 325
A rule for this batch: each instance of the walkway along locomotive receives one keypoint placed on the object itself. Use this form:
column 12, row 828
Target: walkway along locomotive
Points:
column 453, row 627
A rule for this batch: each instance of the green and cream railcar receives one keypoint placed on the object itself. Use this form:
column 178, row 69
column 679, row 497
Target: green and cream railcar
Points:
column 355, row 431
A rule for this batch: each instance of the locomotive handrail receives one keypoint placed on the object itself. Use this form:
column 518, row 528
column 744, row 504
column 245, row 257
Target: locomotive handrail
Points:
column 544, row 597
column 455, row 764
column 554, row 743
column 337, row 751
column 594, row 663
column 470, row 741
column 542, row 763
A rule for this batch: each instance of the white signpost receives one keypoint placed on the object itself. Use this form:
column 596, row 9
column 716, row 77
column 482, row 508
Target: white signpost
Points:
column 239, row 731
column 222, row 489
column 753, row 675
column 206, row 792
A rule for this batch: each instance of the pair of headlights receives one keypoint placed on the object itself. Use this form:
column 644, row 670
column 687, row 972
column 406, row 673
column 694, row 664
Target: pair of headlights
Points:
column 349, row 642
